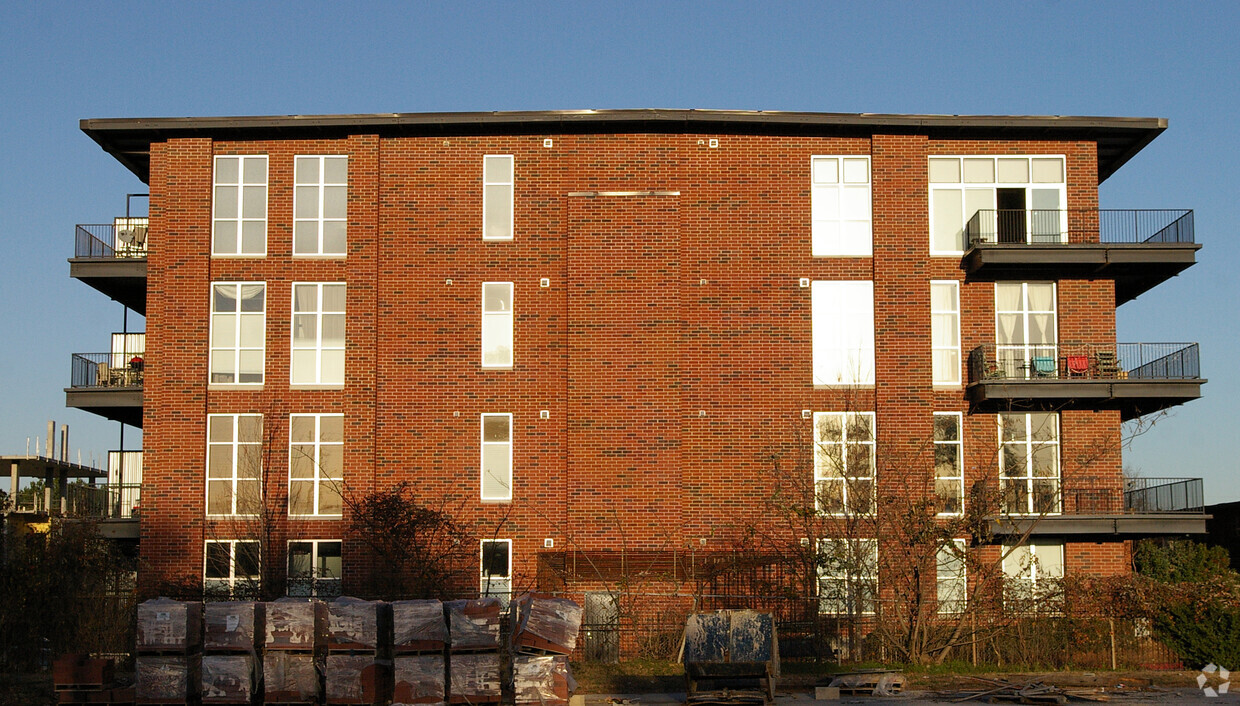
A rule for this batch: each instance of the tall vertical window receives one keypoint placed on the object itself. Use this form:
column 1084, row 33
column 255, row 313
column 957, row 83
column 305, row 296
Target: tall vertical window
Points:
column 316, row 464
column 1026, row 329
column 234, row 464
column 314, row 568
column 497, row 197
column 497, row 324
column 231, row 570
column 951, row 577
column 1011, row 199
column 239, row 222
column 495, row 564
column 842, row 330
column 1029, row 463
column 945, row 332
column 1033, row 574
column 948, row 463
column 847, row 576
column 841, row 207
column 320, row 205
column 238, row 332
column 318, row 333
column 497, row 457
column 844, row 462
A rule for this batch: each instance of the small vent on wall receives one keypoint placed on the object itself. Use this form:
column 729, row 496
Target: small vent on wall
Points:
column 544, row 282
column 544, row 414
column 804, row 282
column 714, row 142
column 548, row 543
column 807, row 414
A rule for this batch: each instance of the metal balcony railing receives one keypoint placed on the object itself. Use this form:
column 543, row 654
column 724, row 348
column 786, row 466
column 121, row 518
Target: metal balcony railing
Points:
column 81, row 500
column 1085, row 361
column 1135, row 496
column 123, row 238
column 1074, row 226
column 1185, row 495
column 107, row 370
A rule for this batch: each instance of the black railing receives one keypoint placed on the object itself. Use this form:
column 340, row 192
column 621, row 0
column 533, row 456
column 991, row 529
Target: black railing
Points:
column 1086, row 361
column 125, row 238
column 107, row 370
column 82, row 500
column 1184, row 495
column 1058, row 226
column 1135, row 496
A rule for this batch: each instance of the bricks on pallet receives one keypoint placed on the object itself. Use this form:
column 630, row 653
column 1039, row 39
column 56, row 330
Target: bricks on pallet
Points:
column 290, row 677
column 165, row 625
column 228, row 679
column 419, row 679
column 233, row 626
column 473, row 625
column 474, row 678
column 541, row 679
column 355, row 679
column 295, row 624
column 80, row 672
column 354, row 624
column 418, row 626
column 166, row 679
column 546, row 624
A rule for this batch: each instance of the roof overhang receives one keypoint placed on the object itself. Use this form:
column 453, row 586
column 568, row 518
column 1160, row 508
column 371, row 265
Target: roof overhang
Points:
column 1119, row 139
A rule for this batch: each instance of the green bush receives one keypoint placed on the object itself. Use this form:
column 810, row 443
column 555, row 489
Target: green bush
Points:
column 1194, row 602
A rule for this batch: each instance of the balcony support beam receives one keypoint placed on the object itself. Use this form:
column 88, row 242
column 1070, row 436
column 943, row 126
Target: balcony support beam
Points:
column 1077, row 527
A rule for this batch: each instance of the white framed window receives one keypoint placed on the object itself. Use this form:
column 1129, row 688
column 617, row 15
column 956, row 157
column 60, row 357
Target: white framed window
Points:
column 496, row 457
column 842, row 329
column 231, row 569
column 948, row 463
column 1026, row 329
column 497, row 196
column 847, row 576
column 234, row 464
column 495, row 569
column 314, row 568
column 238, row 332
column 320, row 205
column 844, row 462
column 840, row 206
column 1021, row 199
column 951, row 577
column 1033, row 575
column 316, row 465
column 239, row 209
column 497, row 324
column 1029, row 463
column 318, row 333
column 945, row 331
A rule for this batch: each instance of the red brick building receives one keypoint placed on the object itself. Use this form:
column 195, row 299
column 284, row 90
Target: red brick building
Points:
column 613, row 335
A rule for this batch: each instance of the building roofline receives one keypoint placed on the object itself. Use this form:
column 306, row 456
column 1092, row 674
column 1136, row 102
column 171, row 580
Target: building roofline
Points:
column 1118, row 138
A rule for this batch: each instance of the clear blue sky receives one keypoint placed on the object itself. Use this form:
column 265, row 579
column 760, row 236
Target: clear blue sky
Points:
column 66, row 61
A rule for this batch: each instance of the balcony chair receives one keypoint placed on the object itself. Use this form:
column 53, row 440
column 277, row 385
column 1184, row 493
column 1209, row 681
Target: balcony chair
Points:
column 1044, row 366
column 1077, row 365
column 1106, row 364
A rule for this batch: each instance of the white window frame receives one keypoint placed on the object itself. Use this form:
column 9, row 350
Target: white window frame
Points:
column 837, row 469
column 320, row 586
column 227, row 587
column 842, row 309
column 482, row 458
column 240, row 219
column 945, row 447
column 234, row 447
column 320, row 219
column 1027, row 577
column 322, row 476
column 236, row 350
column 319, row 347
column 952, row 577
column 839, row 585
column 832, row 177
column 492, row 343
column 1027, row 484
column 949, row 377
column 992, row 186
column 1015, row 360
column 510, row 191
column 493, row 584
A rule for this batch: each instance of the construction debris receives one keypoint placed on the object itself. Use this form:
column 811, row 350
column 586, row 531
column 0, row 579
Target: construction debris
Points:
column 1032, row 692
column 869, row 682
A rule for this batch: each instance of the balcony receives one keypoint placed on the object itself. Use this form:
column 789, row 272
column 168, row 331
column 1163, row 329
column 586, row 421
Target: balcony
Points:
column 1137, row 507
column 108, row 384
column 115, row 507
column 1139, row 249
column 111, row 257
column 1134, row 378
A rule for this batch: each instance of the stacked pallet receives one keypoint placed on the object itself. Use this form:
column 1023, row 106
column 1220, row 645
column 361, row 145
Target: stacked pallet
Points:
column 78, row 679
column 295, row 635
column 356, row 641
column 230, row 664
column 473, row 651
column 544, row 633
column 419, row 637
column 169, row 654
